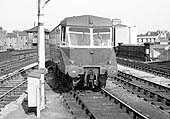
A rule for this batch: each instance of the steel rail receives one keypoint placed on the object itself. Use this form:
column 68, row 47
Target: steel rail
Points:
column 141, row 79
column 136, row 113
column 6, row 93
column 162, row 98
column 145, row 67
column 16, row 72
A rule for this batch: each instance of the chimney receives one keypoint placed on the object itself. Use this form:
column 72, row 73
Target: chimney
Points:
column 0, row 29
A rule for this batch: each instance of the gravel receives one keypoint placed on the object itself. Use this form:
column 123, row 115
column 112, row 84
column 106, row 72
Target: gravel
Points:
column 14, row 105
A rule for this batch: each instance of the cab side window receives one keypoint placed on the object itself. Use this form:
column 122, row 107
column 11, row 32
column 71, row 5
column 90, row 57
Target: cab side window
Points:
column 64, row 37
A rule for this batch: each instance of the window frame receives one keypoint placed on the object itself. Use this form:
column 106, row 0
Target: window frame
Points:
column 91, row 38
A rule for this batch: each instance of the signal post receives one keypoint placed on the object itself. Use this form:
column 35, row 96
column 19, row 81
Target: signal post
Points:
column 36, row 89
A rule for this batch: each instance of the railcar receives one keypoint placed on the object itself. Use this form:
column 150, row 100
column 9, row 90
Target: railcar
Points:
column 82, row 50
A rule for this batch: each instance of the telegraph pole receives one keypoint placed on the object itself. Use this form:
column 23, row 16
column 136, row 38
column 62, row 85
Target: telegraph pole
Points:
column 41, row 58
column 41, row 54
column 41, row 37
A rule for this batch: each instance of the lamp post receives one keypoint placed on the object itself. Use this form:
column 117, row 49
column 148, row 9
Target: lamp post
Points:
column 129, row 35
column 115, row 22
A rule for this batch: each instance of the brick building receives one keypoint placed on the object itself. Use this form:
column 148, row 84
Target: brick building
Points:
column 17, row 40
column 11, row 41
column 2, row 38
column 22, row 40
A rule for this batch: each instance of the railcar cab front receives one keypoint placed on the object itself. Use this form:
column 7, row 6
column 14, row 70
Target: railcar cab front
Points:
column 82, row 37
column 87, row 49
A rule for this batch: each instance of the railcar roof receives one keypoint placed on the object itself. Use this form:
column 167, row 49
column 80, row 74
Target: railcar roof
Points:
column 86, row 21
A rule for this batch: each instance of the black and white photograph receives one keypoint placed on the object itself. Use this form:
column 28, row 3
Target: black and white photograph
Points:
column 84, row 59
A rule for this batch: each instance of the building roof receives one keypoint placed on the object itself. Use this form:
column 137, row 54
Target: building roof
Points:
column 86, row 21
column 22, row 33
column 121, row 26
column 11, row 35
column 149, row 33
column 35, row 29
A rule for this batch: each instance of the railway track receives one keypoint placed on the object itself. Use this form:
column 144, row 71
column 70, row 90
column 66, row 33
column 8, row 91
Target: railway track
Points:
column 10, row 66
column 99, row 105
column 165, row 64
column 150, row 68
column 13, row 85
column 20, row 59
column 13, row 74
column 154, row 93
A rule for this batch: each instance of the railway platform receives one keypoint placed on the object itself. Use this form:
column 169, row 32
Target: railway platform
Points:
column 54, row 108
column 147, row 76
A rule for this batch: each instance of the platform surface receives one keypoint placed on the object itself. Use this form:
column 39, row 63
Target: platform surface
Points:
column 147, row 76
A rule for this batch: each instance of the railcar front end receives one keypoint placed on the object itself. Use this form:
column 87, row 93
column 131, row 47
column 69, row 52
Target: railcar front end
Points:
column 85, row 51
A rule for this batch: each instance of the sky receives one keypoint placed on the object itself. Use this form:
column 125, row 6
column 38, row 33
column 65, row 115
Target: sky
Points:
column 146, row 15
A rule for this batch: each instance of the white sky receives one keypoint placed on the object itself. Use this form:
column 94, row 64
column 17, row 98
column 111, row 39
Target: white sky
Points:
column 147, row 15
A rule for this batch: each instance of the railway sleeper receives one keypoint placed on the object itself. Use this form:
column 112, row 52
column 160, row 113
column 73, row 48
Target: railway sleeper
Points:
column 100, row 111
column 142, row 96
column 150, row 91
column 145, row 82
column 157, row 103
column 148, row 99
column 11, row 98
column 74, row 108
column 2, row 105
column 16, row 90
column 164, row 107
column 5, row 102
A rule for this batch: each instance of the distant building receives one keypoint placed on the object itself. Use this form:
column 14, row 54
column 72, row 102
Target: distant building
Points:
column 22, row 40
column 17, row 40
column 2, row 38
column 33, row 36
column 156, row 37
column 11, row 41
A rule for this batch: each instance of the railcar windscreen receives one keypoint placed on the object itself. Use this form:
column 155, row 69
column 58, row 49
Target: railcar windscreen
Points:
column 79, row 36
column 93, row 37
column 101, row 37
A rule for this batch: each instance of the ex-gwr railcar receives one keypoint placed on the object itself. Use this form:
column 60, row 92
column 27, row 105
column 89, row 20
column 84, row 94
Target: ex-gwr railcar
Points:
column 82, row 49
